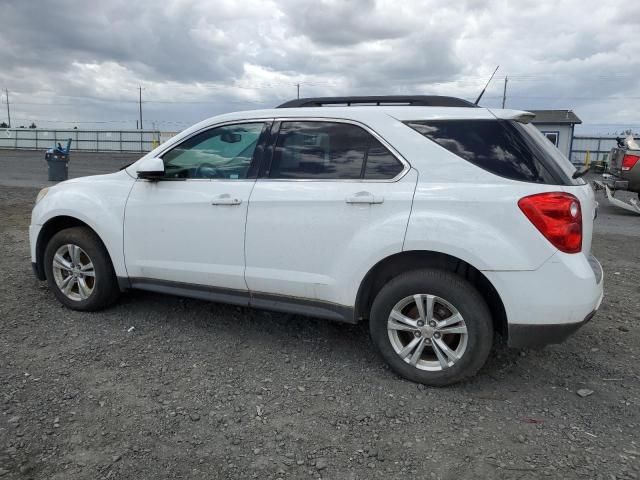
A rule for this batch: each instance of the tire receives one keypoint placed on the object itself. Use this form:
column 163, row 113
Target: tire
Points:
column 82, row 268
column 448, row 293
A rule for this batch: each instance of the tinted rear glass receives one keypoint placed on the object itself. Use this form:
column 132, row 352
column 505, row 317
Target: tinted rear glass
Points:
column 501, row 147
column 330, row 150
column 381, row 164
column 319, row 150
column 555, row 155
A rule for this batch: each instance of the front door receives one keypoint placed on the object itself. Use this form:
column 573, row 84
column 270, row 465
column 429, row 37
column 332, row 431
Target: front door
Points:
column 188, row 227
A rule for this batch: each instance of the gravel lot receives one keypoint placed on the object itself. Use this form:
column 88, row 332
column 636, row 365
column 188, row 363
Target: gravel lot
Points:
column 202, row 390
column 28, row 168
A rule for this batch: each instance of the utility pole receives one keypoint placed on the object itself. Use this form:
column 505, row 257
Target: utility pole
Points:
column 297, row 85
column 6, row 91
column 140, row 104
column 504, row 92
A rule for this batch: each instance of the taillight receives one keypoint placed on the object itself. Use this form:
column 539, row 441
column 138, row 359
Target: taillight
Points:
column 558, row 217
column 629, row 161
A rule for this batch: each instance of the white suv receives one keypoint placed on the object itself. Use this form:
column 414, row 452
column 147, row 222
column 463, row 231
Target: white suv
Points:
column 438, row 222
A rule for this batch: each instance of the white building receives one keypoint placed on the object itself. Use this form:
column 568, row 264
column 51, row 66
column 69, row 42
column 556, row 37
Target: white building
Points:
column 557, row 126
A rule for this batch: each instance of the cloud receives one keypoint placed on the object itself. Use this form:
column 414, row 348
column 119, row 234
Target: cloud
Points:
column 74, row 61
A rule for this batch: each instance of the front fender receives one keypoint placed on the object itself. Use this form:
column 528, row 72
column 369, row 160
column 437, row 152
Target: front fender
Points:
column 96, row 201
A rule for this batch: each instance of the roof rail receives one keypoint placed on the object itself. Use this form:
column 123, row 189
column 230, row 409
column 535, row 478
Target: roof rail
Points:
column 395, row 100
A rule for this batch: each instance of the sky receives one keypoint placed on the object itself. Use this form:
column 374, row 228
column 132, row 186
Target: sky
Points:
column 77, row 63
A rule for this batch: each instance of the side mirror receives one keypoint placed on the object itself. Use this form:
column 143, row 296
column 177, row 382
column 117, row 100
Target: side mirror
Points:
column 151, row 169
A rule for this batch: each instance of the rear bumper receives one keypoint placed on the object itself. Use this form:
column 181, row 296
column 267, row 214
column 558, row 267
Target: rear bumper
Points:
column 532, row 336
column 627, row 180
column 633, row 176
column 547, row 305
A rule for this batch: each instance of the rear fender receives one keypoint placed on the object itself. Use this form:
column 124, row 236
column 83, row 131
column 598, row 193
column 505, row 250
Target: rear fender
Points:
column 478, row 223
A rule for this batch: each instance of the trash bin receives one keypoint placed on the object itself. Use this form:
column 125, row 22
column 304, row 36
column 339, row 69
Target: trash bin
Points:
column 58, row 162
column 58, row 166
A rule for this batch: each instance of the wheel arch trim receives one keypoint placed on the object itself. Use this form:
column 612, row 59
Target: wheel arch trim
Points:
column 400, row 262
column 55, row 224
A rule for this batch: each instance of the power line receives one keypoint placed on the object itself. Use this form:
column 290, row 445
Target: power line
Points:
column 564, row 97
column 257, row 102
column 97, row 121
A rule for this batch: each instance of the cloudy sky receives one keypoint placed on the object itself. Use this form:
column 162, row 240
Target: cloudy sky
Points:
column 70, row 62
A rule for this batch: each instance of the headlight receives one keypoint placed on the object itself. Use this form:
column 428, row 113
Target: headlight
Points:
column 41, row 194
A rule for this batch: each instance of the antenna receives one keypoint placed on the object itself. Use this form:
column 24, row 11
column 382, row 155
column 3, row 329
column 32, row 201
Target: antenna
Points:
column 485, row 87
column 504, row 92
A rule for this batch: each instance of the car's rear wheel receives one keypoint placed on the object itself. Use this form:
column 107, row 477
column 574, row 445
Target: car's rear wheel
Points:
column 432, row 327
column 79, row 271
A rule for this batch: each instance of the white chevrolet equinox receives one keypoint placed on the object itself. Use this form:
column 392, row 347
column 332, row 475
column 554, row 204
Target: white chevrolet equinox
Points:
column 438, row 222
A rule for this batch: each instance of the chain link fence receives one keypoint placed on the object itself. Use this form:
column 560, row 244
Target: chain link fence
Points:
column 598, row 148
column 146, row 140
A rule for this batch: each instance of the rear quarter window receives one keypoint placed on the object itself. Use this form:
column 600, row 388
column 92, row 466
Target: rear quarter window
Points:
column 501, row 147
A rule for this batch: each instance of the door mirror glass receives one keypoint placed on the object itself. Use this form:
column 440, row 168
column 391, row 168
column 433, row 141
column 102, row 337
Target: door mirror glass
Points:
column 151, row 168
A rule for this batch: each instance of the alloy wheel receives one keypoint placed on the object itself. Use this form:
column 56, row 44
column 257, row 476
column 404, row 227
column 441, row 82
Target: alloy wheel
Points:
column 427, row 332
column 73, row 272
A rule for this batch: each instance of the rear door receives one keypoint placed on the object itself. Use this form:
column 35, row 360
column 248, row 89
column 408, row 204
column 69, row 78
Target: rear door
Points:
column 332, row 195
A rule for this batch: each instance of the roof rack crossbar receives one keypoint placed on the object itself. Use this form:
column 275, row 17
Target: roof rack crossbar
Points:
column 395, row 100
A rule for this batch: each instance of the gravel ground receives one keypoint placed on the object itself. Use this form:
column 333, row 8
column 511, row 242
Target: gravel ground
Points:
column 202, row 390
column 28, row 168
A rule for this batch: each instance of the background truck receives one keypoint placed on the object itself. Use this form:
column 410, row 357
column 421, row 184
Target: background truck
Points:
column 623, row 173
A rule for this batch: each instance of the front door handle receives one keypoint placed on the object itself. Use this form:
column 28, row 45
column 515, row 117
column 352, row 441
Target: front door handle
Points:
column 364, row 197
column 226, row 199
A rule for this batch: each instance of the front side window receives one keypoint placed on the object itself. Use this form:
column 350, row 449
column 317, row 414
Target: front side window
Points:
column 223, row 152
column 330, row 150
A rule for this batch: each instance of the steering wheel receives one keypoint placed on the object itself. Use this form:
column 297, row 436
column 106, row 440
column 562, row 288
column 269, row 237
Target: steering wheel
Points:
column 207, row 170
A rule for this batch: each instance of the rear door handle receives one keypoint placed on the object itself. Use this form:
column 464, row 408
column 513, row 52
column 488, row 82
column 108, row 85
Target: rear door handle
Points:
column 364, row 197
column 226, row 199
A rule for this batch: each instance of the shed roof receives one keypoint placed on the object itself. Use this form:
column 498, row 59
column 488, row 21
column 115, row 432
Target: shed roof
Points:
column 555, row 116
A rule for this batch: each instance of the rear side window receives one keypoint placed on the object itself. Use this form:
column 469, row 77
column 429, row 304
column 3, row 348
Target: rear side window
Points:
column 330, row 150
column 498, row 146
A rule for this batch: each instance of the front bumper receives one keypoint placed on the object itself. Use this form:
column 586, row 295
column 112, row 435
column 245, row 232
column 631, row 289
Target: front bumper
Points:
column 34, row 232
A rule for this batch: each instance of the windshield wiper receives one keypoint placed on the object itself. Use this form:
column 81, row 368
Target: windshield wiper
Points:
column 580, row 172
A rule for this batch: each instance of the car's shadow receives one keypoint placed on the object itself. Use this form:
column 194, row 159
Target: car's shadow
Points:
column 199, row 323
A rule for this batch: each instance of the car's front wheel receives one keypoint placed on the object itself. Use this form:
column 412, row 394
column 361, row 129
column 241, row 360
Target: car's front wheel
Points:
column 432, row 327
column 79, row 271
